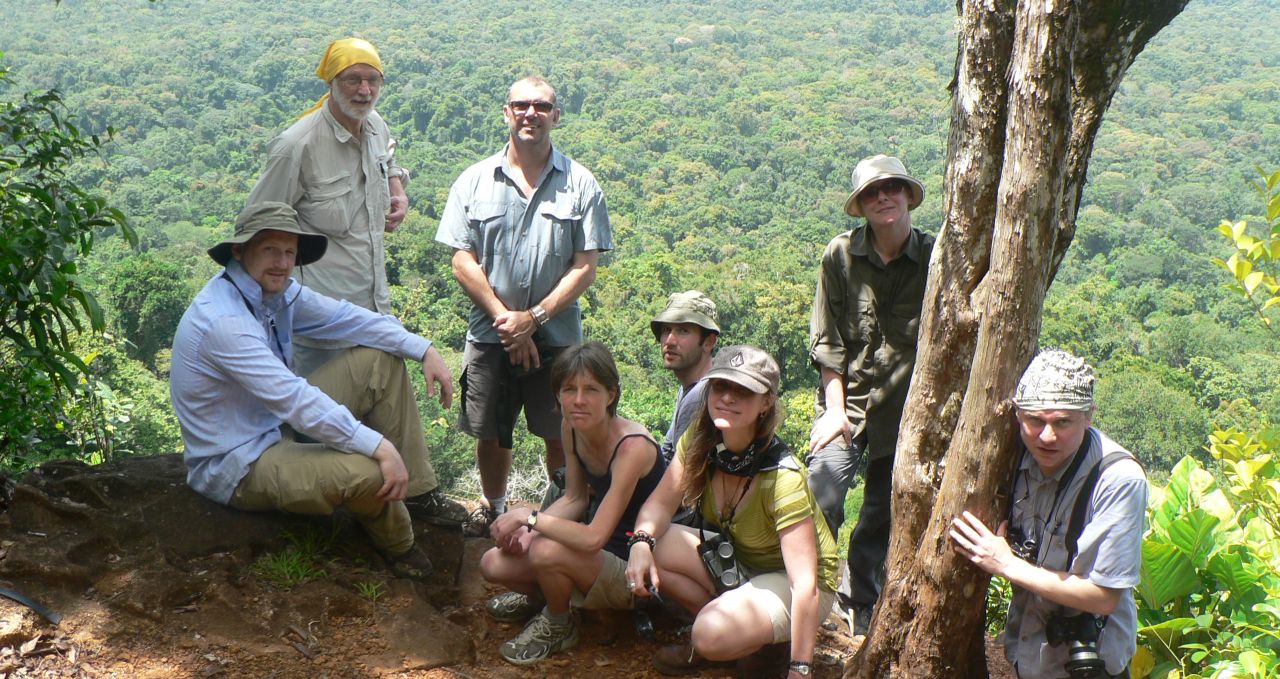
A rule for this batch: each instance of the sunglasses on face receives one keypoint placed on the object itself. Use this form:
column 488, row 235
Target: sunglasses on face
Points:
column 524, row 105
column 890, row 188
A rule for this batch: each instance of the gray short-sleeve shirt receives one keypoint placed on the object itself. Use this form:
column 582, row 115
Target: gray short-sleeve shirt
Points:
column 526, row 245
column 1109, row 555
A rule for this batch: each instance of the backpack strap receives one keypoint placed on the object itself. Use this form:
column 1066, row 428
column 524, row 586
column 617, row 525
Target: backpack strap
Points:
column 1076, row 526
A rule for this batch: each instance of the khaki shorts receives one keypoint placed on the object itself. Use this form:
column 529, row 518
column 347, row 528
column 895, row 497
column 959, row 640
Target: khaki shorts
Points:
column 776, row 598
column 486, row 374
column 610, row 588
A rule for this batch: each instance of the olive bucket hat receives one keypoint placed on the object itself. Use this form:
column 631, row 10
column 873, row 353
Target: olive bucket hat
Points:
column 875, row 168
column 275, row 217
column 687, row 307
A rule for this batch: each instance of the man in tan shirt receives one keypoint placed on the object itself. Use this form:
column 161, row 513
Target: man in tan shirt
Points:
column 335, row 167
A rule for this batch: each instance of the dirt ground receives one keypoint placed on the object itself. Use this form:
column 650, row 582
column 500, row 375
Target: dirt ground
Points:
column 153, row 581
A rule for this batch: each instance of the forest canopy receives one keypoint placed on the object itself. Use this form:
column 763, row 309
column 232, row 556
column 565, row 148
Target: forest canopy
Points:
column 723, row 134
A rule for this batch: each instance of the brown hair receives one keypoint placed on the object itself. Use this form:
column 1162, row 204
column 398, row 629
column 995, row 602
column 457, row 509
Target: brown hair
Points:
column 702, row 439
column 592, row 358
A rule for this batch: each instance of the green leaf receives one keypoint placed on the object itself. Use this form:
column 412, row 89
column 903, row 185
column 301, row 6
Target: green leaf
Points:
column 1167, row 574
column 1193, row 534
column 1231, row 569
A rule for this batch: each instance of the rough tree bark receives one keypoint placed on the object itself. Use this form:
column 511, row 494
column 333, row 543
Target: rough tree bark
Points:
column 1033, row 79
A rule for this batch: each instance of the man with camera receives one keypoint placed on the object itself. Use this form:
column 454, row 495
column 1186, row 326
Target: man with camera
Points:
column 1072, row 543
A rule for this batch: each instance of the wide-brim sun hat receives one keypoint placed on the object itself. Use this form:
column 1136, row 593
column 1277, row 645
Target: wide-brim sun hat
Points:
column 690, row 306
column 875, row 168
column 748, row 366
column 271, row 216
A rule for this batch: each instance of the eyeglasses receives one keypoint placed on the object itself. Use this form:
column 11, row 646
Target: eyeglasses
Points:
column 354, row 81
column 524, row 105
column 890, row 188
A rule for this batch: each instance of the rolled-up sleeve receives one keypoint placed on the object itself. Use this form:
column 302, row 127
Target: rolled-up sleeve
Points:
column 826, row 345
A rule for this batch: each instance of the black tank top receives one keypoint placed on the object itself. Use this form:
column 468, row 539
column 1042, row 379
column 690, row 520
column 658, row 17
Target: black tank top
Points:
column 617, row 543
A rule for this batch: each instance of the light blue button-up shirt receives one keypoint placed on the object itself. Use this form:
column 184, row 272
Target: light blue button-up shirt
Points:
column 1110, row 555
column 231, row 383
column 526, row 245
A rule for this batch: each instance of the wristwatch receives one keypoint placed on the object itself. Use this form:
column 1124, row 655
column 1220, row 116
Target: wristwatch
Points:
column 803, row 669
column 532, row 521
column 539, row 315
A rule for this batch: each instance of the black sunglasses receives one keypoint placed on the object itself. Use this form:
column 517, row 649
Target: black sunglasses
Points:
column 524, row 105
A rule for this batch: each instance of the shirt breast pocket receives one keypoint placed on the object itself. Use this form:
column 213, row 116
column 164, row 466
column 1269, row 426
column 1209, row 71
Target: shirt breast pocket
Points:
column 489, row 223
column 564, row 221
column 326, row 204
column 902, row 327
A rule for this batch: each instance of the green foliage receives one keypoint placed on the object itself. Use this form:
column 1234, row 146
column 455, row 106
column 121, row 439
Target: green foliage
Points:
column 373, row 590
column 47, row 222
column 1256, row 260
column 288, row 568
column 302, row 560
column 149, row 296
column 1211, row 559
column 1211, row 566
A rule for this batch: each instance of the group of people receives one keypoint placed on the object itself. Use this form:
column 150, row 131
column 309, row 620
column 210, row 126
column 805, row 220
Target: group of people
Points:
column 293, row 394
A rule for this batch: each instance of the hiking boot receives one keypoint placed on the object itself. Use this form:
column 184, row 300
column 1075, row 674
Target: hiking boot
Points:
column 433, row 507
column 681, row 659
column 539, row 639
column 514, row 606
column 478, row 522
column 413, row 564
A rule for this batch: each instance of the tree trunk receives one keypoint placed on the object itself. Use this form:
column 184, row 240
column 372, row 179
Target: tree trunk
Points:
column 1032, row 83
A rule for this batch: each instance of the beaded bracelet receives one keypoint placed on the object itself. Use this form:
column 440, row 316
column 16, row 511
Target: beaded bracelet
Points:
column 640, row 536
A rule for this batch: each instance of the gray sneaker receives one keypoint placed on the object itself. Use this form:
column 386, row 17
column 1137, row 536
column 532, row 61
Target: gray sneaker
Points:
column 514, row 606
column 539, row 639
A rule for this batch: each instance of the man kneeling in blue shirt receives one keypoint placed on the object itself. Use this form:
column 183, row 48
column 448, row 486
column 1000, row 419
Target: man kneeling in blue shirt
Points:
column 234, row 393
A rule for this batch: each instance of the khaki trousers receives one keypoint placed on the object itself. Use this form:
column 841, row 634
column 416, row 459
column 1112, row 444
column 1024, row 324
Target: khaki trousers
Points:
column 311, row 478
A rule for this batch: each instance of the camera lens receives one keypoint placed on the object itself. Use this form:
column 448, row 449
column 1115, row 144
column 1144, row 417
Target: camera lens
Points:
column 729, row 578
column 1084, row 661
column 725, row 550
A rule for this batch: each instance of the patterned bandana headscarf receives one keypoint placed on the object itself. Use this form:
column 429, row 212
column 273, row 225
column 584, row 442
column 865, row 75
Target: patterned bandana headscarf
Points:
column 341, row 55
column 1056, row 380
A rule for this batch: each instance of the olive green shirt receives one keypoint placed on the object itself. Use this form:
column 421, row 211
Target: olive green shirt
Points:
column 866, row 315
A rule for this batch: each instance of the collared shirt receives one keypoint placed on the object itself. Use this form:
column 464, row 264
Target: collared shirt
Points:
column 1110, row 554
column 231, row 383
column 688, row 406
column 866, row 316
column 338, row 184
column 526, row 245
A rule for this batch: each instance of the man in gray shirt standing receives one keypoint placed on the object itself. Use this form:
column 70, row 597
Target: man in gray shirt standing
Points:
column 527, row 226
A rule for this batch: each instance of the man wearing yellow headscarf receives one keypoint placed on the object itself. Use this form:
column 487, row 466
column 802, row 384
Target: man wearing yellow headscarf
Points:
column 335, row 167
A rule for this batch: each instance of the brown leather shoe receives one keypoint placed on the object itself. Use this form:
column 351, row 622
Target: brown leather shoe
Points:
column 680, row 659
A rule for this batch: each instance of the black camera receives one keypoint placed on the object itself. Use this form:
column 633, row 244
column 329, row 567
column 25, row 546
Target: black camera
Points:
column 1080, row 634
column 1023, row 547
column 718, row 556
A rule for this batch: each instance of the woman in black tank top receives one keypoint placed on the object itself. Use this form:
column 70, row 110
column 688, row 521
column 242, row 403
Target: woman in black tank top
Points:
column 554, row 558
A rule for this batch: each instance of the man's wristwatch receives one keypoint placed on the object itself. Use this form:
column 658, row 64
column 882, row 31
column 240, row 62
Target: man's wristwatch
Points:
column 539, row 314
column 803, row 669
column 532, row 521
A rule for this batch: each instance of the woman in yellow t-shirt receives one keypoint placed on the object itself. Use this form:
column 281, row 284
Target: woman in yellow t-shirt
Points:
column 747, row 485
